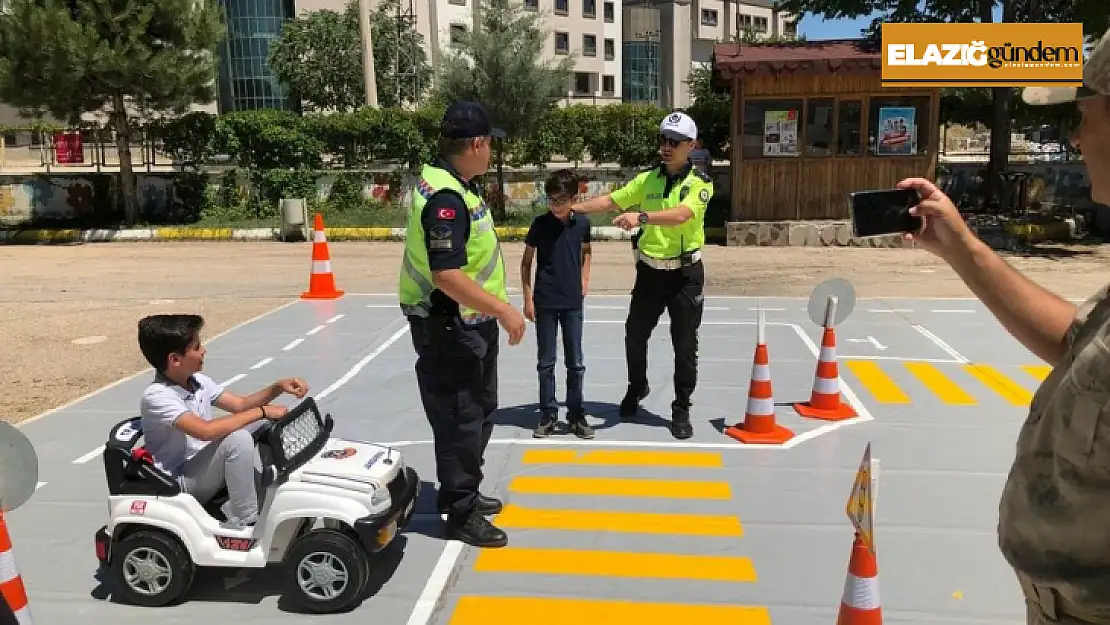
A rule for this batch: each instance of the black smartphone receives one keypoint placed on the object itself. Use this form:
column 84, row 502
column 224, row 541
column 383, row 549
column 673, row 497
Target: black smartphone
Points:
column 878, row 213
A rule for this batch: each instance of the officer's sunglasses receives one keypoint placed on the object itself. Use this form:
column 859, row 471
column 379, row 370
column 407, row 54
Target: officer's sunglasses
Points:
column 670, row 142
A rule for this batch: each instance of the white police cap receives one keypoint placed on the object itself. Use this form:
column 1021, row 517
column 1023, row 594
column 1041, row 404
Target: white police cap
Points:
column 678, row 125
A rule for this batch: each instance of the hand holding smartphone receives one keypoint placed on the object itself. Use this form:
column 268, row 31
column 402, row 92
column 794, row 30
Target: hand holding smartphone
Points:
column 883, row 212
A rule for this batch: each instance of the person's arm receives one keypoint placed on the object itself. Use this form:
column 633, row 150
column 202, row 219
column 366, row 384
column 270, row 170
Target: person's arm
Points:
column 587, row 254
column 631, row 194
column 446, row 222
column 238, row 403
column 171, row 409
column 1039, row 319
column 530, row 244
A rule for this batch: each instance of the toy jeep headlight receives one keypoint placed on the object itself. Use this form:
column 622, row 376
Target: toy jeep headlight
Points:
column 380, row 496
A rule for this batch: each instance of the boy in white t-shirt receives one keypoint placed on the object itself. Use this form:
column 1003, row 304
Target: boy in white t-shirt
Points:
column 201, row 451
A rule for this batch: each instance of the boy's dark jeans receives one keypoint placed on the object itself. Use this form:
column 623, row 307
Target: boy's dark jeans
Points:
column 548, row 324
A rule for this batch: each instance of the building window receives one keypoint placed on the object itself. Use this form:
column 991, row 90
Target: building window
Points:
column 458, row 2
column 531, row 5
column 589, row 8
column 562, row 43
column 849, row 141
column 640, row 71
column 589, row 45
column 581, row 83
column 608, row 12
column 897, row 131
column 771, row 128
column 709, row 17
column 744, row 22
column 562, row 7
column 790, row 29
column 608, row 86
column 610, row 50
column 761, row 24
column 458, row 32
column 819, row 127
column 246, row 81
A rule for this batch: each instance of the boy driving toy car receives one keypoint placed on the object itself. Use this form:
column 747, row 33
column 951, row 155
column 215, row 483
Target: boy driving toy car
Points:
column 202, row 452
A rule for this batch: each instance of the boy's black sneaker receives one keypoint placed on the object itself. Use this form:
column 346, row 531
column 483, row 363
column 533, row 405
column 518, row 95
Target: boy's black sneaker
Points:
column 578, row 426
column 476, row 530
column 631, row 401
column 680, row 425
column 546, row 426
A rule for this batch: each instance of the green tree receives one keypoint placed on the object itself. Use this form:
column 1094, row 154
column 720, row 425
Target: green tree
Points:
column 319, row 57
column 500, row 65
column 127, row 59
column 967, row 103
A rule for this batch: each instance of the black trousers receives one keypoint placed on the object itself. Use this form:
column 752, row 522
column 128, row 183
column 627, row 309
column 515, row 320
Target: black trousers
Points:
column 456, row 369
column 680, row 292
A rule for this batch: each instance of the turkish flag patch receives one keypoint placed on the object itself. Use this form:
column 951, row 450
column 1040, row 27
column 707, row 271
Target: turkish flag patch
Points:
column 447, row 214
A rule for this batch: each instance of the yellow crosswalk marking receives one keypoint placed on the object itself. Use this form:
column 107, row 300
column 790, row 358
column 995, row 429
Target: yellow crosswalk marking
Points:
column 877, row 382
column 615, row 564
column 514, row 516
column 473, row 610
column 998, row 382
column 620, row 487
column 943, row 387
column 608, row 457
column 1038, row 371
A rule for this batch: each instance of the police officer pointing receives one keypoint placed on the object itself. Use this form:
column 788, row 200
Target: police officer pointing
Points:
column 672, row 199
column 452, row 289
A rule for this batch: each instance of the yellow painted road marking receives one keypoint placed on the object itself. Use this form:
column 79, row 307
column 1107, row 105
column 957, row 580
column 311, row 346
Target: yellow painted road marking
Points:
column 879, row 383
column 615, row 564
column 998, row 382
column 620, row 487
column 472, row 610
column 607, row 457
column 1038, row 371
column 939, row 384
column 631, row 522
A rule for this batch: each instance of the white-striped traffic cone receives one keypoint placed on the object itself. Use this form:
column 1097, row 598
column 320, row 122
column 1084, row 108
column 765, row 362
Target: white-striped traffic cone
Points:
column 861, row 604
column 825, row 401
column 321, row 283
column 759, row 425
column 12, row 591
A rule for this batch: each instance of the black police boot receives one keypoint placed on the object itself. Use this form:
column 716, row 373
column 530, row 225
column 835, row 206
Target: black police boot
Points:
column 631, row 401
column 483, row 505
column 680, row 424
column 476, row 530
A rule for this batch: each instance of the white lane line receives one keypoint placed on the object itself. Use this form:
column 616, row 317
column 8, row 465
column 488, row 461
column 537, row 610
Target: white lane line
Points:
column 335, row 318
column 89, row 456
column 82, row 398
column 314, row 330
column 770, row 309
column 941, row 344
column 437, row 582
column 262, row 363
column 40, row 485
column 292, row 344
column 235, row 378
column 362, row 363
column 889, row 310
column 952, row 310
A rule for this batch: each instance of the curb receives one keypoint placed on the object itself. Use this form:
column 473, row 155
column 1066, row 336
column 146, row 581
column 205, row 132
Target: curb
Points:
column 600, row 233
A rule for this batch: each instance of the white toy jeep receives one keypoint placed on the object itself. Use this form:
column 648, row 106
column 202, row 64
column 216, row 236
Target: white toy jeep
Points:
column 328, row 504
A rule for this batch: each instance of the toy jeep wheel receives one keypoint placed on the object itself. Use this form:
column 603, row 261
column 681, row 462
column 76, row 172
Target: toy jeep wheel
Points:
column 327, row 570
column 150, row 568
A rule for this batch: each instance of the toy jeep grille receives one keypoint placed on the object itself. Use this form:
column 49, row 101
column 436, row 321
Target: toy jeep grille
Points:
column 300, row 433
column 298, row 436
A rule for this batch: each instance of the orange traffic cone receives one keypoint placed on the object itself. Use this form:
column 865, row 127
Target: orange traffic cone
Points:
column 860, row 604
column 321, row 283
column 12, row 591
column 825, row 402
column 759, row 425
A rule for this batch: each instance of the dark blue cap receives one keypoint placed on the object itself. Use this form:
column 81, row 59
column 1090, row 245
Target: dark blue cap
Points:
column 467, row 120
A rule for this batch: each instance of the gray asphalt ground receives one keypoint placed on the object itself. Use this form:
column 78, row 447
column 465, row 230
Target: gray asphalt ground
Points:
column 938, row 385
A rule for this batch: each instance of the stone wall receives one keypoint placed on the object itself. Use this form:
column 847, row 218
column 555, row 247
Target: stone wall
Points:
column 799, row 233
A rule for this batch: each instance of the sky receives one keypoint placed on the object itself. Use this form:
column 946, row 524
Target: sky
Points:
column 817, row 28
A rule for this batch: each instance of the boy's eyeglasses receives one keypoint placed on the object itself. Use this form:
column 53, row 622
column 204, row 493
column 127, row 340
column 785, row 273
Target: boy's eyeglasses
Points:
column 559, row 199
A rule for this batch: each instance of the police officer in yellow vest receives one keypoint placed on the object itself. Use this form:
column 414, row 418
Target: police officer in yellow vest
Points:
column 672, row 199
column 452, row 289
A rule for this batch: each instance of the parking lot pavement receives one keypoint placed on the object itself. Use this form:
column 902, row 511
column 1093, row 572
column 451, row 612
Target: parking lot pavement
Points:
column 632, row 526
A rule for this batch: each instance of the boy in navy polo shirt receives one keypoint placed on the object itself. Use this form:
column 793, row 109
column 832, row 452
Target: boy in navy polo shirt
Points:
column 560, row 242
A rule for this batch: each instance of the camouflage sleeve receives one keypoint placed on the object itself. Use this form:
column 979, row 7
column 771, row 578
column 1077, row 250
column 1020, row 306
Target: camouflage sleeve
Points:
column 1083, row 312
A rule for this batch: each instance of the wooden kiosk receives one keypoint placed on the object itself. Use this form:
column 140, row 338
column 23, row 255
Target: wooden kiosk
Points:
column 811, row 123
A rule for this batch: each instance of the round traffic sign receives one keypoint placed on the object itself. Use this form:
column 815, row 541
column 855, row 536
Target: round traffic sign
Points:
column 845, row 296
column 19, row 468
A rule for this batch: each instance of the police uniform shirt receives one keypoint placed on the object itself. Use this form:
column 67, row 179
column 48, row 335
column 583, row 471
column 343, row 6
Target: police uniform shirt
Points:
column 654, row 190
column 446, row 222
